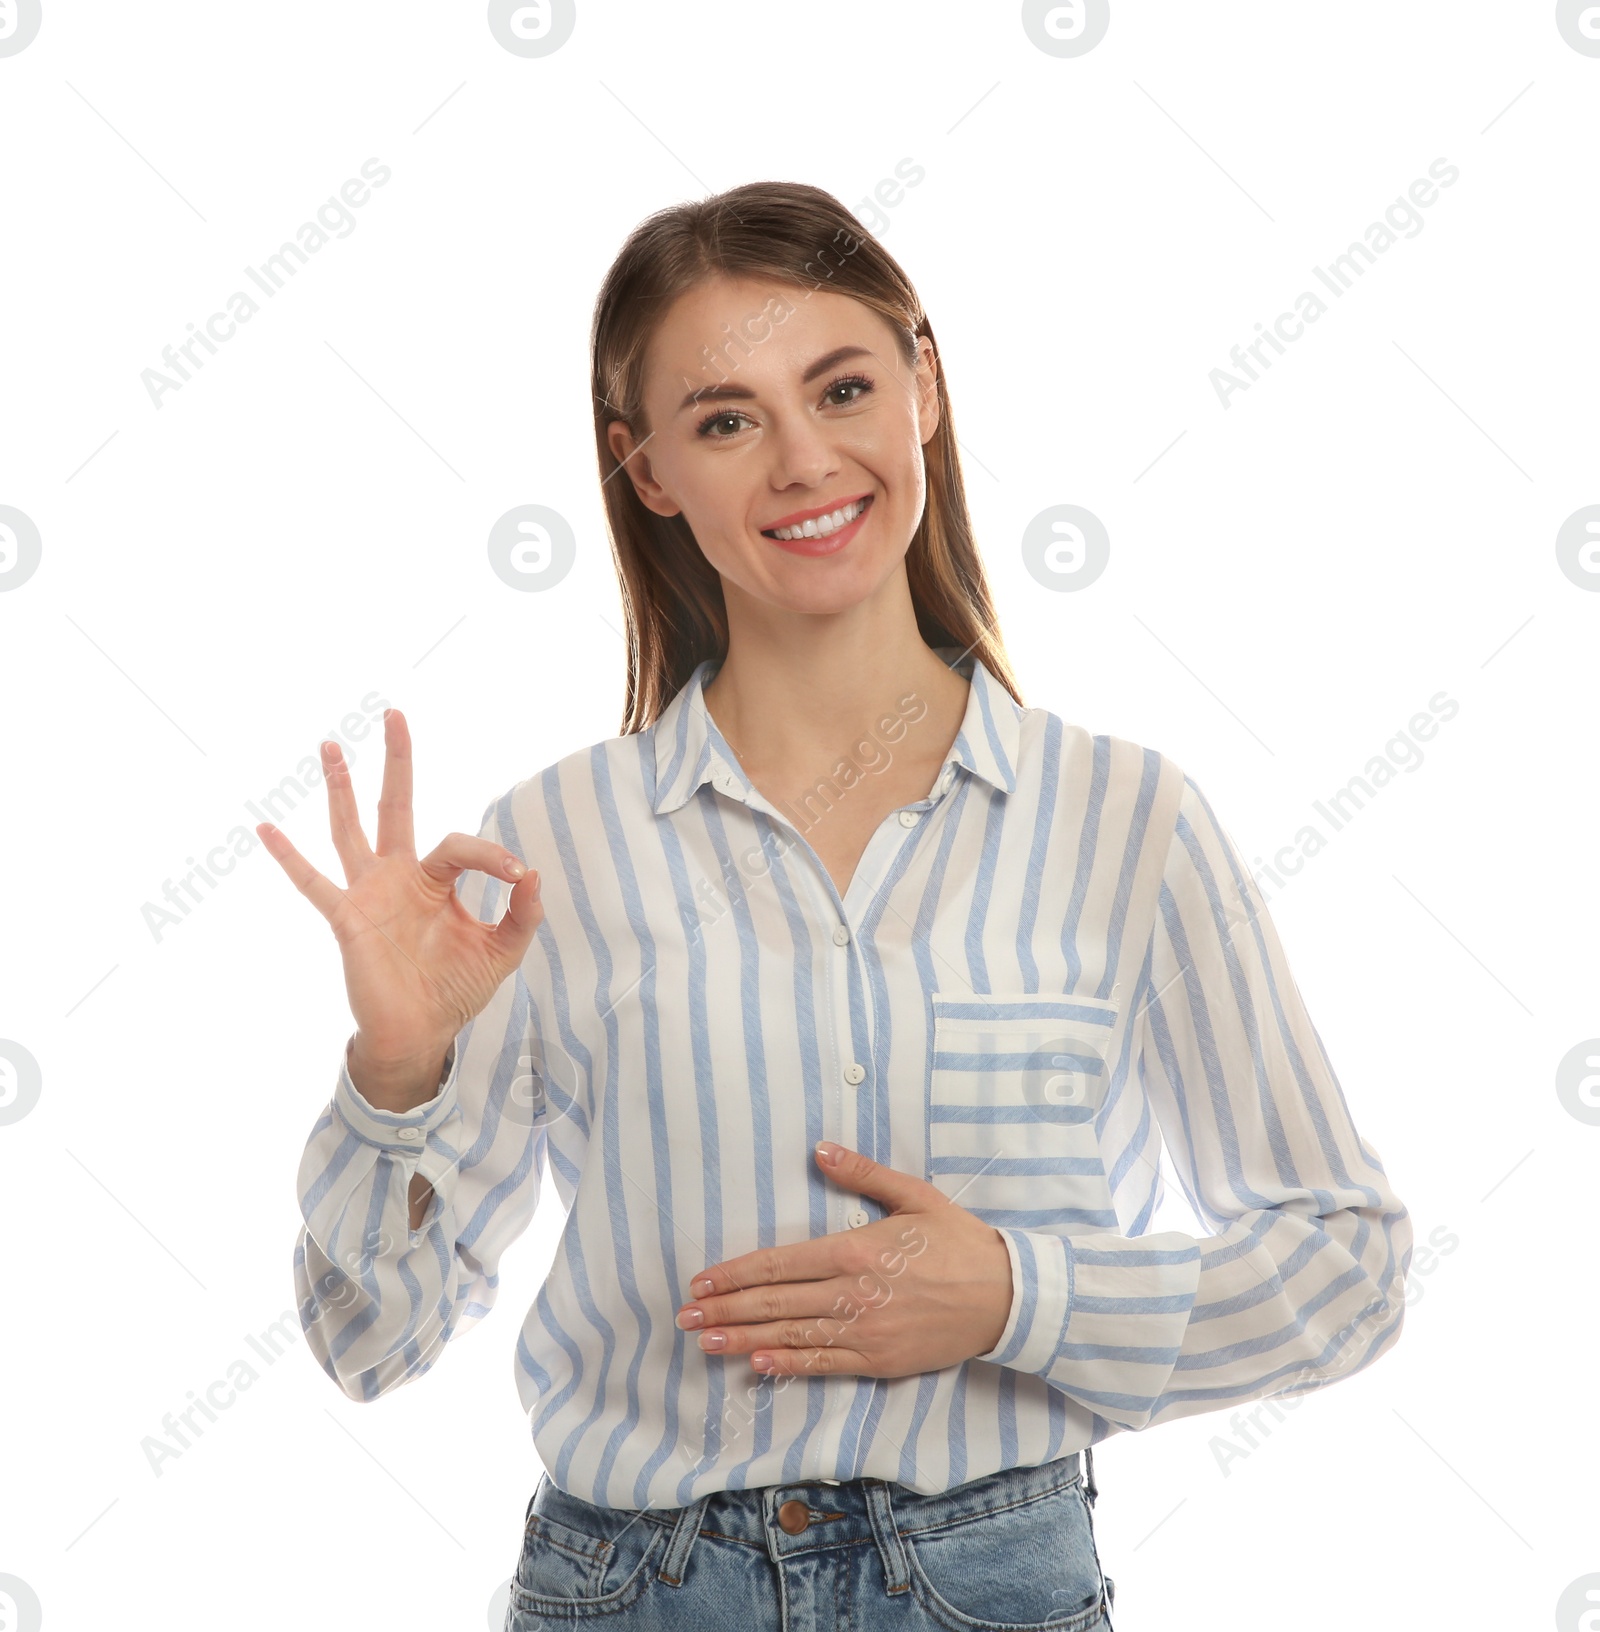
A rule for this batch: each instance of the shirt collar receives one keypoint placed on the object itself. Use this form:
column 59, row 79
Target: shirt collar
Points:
column 690, row 750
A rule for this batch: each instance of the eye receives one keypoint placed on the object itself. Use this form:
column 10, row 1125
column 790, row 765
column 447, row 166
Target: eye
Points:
column 847, row 382
column 720, row 417
column 855, row 385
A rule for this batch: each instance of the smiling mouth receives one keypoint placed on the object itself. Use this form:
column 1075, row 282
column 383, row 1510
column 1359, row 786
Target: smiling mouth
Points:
column 820, row 526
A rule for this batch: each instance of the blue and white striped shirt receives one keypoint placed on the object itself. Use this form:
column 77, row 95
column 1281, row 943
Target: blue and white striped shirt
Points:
column 1039, row 974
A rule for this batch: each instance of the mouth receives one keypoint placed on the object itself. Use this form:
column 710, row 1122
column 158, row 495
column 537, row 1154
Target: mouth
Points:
column 822, row 534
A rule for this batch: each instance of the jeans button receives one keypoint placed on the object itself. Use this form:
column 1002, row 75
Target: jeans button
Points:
column 794, row 1516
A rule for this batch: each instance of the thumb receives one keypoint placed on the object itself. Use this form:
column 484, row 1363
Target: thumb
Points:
column 523, row 915
column 869, row 1178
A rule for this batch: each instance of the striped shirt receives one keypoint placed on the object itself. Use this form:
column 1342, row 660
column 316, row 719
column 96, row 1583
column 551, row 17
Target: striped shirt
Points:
column 1042, row 974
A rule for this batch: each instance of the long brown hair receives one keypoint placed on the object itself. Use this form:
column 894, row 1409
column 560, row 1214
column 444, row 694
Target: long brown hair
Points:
column 672, row 596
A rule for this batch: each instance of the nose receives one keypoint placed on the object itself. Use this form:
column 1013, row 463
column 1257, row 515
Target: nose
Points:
column 804, row 456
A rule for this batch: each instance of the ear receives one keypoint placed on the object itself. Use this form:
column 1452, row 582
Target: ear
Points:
column 927, row 390
column 631, row 456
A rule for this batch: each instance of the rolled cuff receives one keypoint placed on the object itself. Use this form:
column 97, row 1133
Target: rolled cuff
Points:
column 1101, row 1317
column 1041, row 1300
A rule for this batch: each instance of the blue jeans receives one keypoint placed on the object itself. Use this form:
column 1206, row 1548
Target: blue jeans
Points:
column 1014, row 1549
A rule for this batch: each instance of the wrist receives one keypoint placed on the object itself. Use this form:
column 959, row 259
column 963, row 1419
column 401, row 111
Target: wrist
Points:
column 396, row 1084
column 1004, row 1294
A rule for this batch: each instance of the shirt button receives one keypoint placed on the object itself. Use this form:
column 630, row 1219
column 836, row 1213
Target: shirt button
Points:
column 909, row 818
column 857, row 1219
column 411, row 1133
column 841, row 935
column 854, row 1072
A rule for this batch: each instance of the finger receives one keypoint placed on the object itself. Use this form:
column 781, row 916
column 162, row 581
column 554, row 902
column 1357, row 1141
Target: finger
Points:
column 897, row 1190
column 344, row 820
column 802, row 1335
column 841, row 1301
column 395, row 834
column 801, row 1261
column 758, row 1306
column 823, row 1322
column 458, row 853
column 828, row 1361
column 322, row 893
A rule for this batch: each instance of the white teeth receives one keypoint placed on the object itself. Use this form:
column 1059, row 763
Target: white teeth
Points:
column 821, row 526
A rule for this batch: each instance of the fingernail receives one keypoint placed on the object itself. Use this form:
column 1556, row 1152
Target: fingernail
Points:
column 690, row 1319
column 702, row 1287
column 762, row 1362
column 712, row 1341
column 828, row 1153
column 515, row 868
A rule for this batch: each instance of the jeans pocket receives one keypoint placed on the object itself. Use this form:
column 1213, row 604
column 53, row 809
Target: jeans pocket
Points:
column 584, row 1559
column 1028, row 1566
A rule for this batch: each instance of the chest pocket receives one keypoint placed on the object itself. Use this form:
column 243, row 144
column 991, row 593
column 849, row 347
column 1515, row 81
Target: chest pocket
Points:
column 1016, row 1083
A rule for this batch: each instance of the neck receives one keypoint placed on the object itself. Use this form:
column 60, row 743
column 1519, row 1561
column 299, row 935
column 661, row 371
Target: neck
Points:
column 794, row 696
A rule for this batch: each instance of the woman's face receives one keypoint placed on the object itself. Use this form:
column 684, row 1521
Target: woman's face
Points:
column 814, row 412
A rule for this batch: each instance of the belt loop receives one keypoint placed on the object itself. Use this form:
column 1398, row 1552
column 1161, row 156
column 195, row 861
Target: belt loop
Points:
column 684, row 1532
column 891, row 1546
column 1089, row 1489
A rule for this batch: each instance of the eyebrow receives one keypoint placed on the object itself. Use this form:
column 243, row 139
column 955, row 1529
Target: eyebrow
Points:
column 728, row 391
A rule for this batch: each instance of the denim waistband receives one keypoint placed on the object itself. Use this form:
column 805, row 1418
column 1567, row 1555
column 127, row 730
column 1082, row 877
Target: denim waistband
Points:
column 837, row 1515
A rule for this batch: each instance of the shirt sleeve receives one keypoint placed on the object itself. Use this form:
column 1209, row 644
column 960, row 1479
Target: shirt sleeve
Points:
column 1302, row 1281
column 378, row 1301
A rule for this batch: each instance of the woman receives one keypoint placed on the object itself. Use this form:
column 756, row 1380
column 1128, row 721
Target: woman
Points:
column 850, row 1030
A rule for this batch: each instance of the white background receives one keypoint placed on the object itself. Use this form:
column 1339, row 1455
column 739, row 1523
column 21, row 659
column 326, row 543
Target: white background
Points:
column 1292, row 577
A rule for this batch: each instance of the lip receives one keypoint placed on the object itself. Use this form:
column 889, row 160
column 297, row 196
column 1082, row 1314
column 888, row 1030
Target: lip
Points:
column 822, row 545
column 798, row 516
